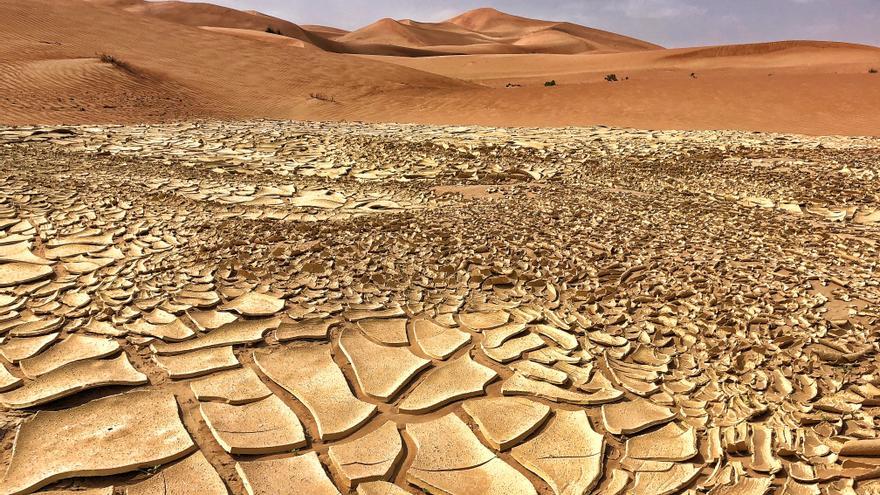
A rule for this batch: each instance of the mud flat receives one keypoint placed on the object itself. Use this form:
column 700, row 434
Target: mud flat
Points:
column 285, row 307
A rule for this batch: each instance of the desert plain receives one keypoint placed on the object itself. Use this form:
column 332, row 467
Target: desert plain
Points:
column 392, row 261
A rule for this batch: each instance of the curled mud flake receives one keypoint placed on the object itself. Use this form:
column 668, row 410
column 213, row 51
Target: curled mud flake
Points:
column 506, row 421
column 372, row 457
column 266, row 426
column 107, row 436
column 310, row 374
column 568, row 454
column 73, row 378
column 286, row 476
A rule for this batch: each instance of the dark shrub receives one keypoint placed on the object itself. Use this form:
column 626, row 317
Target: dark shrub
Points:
column 116, row 62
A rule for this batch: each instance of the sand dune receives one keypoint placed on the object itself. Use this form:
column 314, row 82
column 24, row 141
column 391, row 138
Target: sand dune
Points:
column 205, row 14
column 183, row 67
column 227, row 21
column 488, row 31
column 481, row 31
column 328, row 32
column 176, row 71
column 257, row 35
column 494, row 23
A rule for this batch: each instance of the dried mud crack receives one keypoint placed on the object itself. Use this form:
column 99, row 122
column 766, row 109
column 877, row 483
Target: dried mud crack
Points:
column 284, row 307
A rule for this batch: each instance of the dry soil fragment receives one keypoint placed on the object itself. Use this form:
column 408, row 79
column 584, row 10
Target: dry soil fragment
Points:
column 198, row 363
column 506, row 421
column 518, row 384
column 311, row 329
column 497, row 336
column 672, row 443
column 74, row 348
column 514, row 349
column 565, row 340
column 104, row 328
column 73, row 378
column 72, row 250
column 380, row 488
column 210, row 320
column 232, row 387
column 763, row 459
column 665, row 482
column 191, row 476
column 617, row 483
column 101, row 438
column 89, row 236
column 299, row 475
column 362, row 314
column 369, row 458
column 93, row 491
column 745, row 486
column 793, row 487
column 264, row 427
column 537, row 371
column 381, row 370
column 438, row 341
column 450, row 459
column 484, row 320
column 237, row 332
column 386, row 331
column 568, row 454
column 309, row 373
column 8, row 380
column 627, row 418
column 861, row 448
column 255, row 304
column 37, row 327
column 17, row 273
column 15, row 350
column 457, row 380
column 20, row 252
column 170, row 332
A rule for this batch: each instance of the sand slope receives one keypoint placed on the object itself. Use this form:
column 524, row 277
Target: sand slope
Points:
column 205, row 14
column 51, row 72
column 50, row 69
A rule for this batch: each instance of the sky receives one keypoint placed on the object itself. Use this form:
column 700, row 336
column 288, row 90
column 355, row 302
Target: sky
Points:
column 671, row 23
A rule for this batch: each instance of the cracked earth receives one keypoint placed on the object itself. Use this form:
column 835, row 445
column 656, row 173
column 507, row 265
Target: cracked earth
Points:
column 304, row 308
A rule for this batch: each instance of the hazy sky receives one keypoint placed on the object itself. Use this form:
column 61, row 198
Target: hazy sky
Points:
column 671, row 23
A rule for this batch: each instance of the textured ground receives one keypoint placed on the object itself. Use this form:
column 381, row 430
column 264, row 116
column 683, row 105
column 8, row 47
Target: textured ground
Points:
column 279, row 307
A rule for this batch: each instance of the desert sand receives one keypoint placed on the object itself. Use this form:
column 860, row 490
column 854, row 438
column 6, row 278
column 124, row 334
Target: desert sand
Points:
column 203, row 293
column 173, row 61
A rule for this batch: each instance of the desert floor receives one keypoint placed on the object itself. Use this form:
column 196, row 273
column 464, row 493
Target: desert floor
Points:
column 275, row 307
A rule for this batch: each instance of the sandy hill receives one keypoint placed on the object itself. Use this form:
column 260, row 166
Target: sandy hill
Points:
column 234, row 22
column 205, row 14
column 488, row 31
column 328, row 32
column 99, row 61
column 51, row 69
column 481, row 31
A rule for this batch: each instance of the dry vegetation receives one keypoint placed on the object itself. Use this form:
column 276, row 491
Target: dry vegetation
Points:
column 116, row 62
